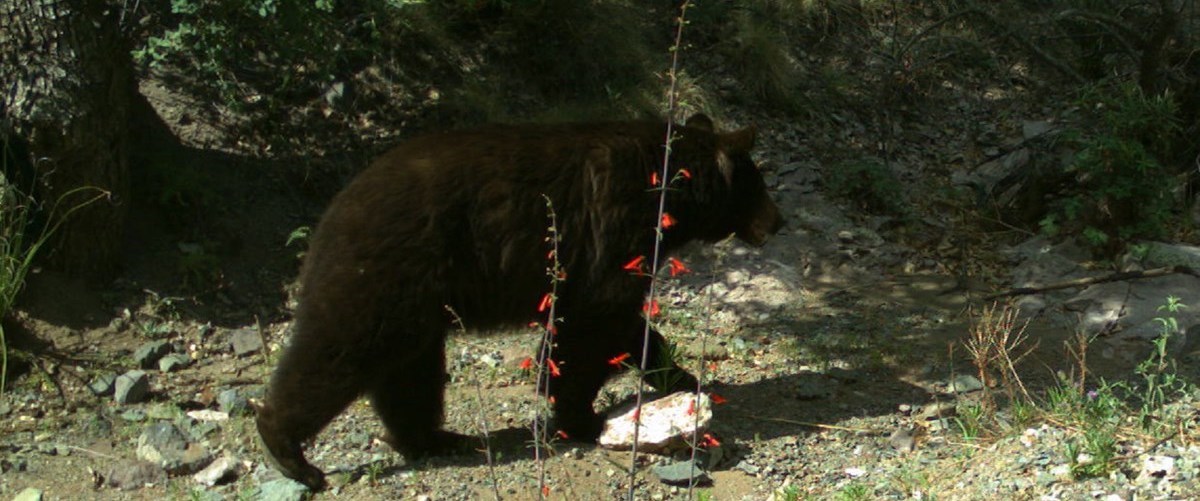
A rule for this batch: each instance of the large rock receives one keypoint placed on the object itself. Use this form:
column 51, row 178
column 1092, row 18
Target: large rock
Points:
column 223, row 470
column 131, row 387
column 1128, row 309
column 666, row 423
column 29, row 494
column 245, row 342
column 282, row 489
column 232, row 402
column 163, row 444
column 1125, row 311
column 682, row 473
column 128, row 475
column 103, row 385
column 147, row 355
column 1158, row 254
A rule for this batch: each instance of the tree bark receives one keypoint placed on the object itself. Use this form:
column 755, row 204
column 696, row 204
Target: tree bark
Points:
column 67, row 81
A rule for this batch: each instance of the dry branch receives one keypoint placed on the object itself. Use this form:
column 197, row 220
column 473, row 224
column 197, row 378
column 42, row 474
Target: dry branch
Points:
column 1084, row 282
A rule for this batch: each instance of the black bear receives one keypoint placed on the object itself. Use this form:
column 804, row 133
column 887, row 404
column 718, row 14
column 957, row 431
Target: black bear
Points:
column 459, row 219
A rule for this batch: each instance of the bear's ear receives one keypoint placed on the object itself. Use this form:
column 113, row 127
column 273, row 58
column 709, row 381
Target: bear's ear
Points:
column 739, row 141
column 700, row 121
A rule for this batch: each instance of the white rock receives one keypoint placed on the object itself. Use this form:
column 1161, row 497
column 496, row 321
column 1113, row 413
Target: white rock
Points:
column 225, row 468
column 665, row 423
column 1157, row 467
column 208, row 415
column 1029, row 437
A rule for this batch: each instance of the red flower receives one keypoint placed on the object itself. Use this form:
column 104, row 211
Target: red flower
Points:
column 635, row 265
column 547, row 300
column 562, row 434
column 551, row 399
column 684, row 173
column 667, row 221
column 545, row 491
column 677, row 266
column 553, row 368
column 616, row 361
column 527, row 364
column 717, row 399
column 637, row 414
column 654, row 179
column 691, row 407
column 709, row 441
column 651, row 308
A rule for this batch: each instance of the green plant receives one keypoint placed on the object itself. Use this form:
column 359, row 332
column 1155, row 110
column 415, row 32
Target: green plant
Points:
column 996, row 343
column 869, row 184
column 1023, row 412
column 854, row 491
column 299, row 235
column 1096, row 456
column 374, row 471
column 912, row 483
column 666, row 377
column 15, row 256
column 1103, row 406
column 198, row 266
column 482, row 413
column 760, row 53
column 788, row 493
column 153, row 329
column 970, row 420
column 1098, row 414
column 754, row 38
column 1122, row 192
column 546, row 367
column 289, row 42
column 1158, row 371
column 1062, row 399
column 21, row 240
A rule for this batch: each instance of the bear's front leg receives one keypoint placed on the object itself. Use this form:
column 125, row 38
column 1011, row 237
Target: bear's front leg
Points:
column 573, row 391
column 580, row 350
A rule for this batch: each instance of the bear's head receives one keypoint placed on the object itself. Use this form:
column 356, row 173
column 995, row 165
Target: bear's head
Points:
column 735, row 199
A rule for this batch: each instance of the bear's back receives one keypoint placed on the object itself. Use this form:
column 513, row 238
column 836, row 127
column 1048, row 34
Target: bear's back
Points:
column 461, row 218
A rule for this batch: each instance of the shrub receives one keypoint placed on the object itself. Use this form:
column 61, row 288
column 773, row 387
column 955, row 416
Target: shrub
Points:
column 869, row 184
column 754, row 39
column 264, row 44
column 1123, row 189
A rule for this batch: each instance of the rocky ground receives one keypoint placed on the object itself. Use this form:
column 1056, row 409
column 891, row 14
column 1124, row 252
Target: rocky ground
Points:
column 837, row 350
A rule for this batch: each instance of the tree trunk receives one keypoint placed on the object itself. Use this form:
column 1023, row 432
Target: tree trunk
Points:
column 67, row 84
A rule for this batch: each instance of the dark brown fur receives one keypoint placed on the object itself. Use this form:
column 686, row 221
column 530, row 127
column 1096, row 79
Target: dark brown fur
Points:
column 459, row 219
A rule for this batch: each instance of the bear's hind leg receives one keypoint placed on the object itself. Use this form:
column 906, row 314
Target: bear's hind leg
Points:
column 312, row 384
column 409, row 398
